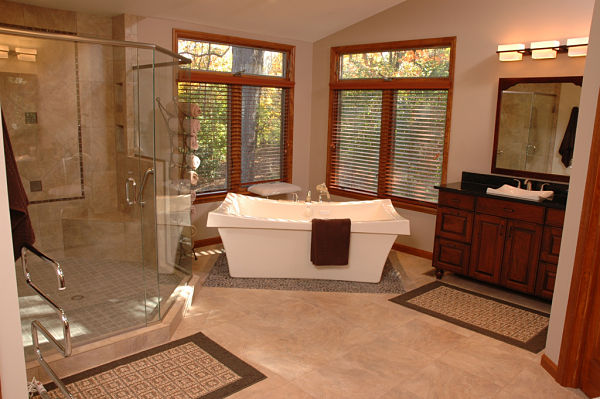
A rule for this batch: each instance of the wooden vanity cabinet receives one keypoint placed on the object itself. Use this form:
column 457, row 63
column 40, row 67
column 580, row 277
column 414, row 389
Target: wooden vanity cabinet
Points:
column 502, row 242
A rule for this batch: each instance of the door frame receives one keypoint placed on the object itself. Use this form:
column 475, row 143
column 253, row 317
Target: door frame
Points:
column 584, row 281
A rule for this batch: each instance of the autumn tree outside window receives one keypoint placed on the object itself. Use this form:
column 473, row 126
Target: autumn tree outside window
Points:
column 245, row 92
column 389, row 120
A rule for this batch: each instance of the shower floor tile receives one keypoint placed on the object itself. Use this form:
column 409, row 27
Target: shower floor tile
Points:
column 103, row 297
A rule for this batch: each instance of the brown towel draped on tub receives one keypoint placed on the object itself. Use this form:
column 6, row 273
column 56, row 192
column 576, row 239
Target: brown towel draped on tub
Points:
column 22, row 232
column 330, row 242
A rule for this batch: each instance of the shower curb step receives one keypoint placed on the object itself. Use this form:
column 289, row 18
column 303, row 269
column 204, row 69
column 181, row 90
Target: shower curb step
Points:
column 106, row 350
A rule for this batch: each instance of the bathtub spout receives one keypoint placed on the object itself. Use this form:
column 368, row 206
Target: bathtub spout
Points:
column 308, row 198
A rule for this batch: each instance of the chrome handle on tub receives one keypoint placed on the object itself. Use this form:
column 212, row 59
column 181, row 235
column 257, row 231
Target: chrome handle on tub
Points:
column 130, row 182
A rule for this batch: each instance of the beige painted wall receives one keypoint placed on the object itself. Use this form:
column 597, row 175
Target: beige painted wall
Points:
column 585, row 128
column 12, row 359
column 479, row 26
column 159, row 31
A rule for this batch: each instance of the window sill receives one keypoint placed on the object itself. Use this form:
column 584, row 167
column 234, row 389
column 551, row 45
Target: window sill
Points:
column 411, row 205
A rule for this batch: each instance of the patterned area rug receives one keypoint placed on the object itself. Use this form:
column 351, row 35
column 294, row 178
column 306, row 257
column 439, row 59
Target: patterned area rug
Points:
column 390, row 283
column 190, row 368
column 507, row 322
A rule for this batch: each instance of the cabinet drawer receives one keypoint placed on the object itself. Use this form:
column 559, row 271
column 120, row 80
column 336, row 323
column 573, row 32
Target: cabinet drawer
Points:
column 546, row 277
column 555, row 217
column 455, row 200
column 451, row 255
column 512, row 210
column 454, row 224
column 551, row 244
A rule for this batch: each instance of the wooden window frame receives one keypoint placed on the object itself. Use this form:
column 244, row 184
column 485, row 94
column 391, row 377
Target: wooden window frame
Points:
column 388, row 86
column 286, row 82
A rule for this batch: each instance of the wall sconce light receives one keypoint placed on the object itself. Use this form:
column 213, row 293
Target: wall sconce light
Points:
column 543, row 50
column 578, row 46
column 510, row 52
column 26, row 54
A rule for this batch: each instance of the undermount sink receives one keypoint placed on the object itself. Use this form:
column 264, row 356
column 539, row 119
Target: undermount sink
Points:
column 511, row 191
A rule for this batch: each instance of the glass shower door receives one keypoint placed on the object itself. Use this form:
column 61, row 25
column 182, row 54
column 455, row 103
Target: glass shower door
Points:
column 71, row 119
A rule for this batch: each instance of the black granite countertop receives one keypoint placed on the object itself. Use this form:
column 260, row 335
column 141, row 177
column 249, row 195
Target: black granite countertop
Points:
column 476, row 184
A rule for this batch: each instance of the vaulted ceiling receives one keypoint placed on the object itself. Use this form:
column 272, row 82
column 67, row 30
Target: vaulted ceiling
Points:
column 307, row 20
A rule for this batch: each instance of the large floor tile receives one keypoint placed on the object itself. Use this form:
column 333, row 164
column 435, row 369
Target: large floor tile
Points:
column 349, row 345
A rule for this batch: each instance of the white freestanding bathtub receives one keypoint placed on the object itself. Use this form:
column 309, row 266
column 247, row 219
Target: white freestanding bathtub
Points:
column 271, row 239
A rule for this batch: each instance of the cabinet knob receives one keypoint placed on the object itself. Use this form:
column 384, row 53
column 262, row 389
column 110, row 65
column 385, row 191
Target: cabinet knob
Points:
column 509, row 210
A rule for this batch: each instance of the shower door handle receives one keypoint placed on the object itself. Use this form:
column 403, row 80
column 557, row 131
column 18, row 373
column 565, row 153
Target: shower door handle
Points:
column 148, row 172
column 130, row 182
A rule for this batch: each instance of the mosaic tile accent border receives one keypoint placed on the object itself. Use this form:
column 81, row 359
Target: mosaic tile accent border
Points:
column 390, row 283
column 194, row 367
column 505, row 321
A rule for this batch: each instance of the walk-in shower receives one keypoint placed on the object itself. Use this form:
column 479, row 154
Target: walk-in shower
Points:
column 104, row 172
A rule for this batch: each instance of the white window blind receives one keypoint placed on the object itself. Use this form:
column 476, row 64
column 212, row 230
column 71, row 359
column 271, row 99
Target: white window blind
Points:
column 214, row 133
column 356, row 140
column 264, row 127
column 409, row 164
column 418, row 144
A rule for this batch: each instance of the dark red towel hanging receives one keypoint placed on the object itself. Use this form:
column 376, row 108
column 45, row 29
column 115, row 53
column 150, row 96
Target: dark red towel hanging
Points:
column 22, row 232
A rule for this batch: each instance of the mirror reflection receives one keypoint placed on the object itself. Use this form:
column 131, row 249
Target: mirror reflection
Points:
column 535, row 126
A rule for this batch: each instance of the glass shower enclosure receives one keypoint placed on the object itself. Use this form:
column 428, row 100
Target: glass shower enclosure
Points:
column 95, row 126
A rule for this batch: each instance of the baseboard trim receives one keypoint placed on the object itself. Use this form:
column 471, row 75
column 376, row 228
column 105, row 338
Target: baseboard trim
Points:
column 207, row 241
column 549, row 366
column 413, row 251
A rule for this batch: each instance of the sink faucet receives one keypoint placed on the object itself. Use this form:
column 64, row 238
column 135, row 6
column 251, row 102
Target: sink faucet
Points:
column 518, row 183
column 322, row 189
column 528, row 183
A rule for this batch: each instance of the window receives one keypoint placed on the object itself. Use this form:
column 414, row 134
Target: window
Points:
column 390, row 118
column 244, row 90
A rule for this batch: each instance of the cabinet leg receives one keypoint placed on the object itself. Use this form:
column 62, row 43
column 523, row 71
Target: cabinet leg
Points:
column 439, row 273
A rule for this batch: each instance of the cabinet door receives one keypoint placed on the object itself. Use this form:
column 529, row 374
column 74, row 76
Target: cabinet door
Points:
column 545, row 280
column 451, row 255
column 551, row 244
column 521, row 255
column 487, row 248
column 454, row 224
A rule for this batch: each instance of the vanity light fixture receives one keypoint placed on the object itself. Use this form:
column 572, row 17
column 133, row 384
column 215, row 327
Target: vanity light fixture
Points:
column 4, row 51
column 26, row 54
column 548, row 49
column 544, row 50
column 511, row 52
column 578, row 46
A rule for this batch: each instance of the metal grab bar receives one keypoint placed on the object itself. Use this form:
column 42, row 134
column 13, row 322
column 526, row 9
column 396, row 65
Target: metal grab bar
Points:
column 130, row 180
column 36, row 326
column 148, row 172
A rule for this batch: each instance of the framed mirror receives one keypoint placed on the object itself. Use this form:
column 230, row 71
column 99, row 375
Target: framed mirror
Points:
column 536, row 120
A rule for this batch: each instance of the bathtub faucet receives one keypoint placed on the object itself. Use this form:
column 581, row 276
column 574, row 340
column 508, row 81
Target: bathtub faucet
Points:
column 322, row 189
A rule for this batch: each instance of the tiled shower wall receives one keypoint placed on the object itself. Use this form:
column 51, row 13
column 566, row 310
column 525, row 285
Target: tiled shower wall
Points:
column 57, row 133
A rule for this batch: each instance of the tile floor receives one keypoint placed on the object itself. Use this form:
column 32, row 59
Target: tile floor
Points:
column 103, row 297
column 339, row 345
